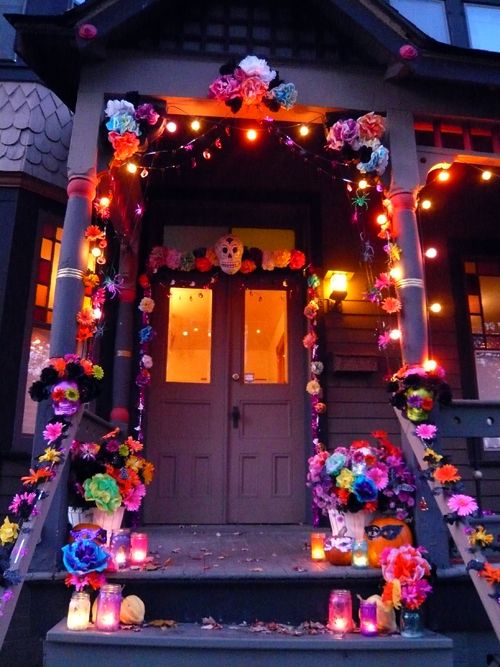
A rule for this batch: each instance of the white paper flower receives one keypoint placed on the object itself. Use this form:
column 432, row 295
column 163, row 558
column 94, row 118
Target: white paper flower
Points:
column 146, row 305
column 147, row 361
column 114, row 107
column 253, row 66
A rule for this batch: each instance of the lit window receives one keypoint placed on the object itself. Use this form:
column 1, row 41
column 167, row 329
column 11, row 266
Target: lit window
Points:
column 483, row 22
column 428, row 15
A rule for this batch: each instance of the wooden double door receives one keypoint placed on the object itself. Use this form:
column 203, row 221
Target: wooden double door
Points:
column 226, row 417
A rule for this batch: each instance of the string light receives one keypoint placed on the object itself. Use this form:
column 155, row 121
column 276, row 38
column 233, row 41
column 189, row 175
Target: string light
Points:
column 363, row 184
column 395, row 334
column 171, row 126
column 97, row 313
column 207, row 154
column 444, row 175
column 251, row 134
column 430, row 365
column 104, row 202
column 431, row 253
column 96, row 252
column 144, row 173
column 303, row 130
column 195, row 125
column 396, row 273
column 486, row 175
column 131, row 168
column 426, row 204
column 382, row 219
column 435, row 307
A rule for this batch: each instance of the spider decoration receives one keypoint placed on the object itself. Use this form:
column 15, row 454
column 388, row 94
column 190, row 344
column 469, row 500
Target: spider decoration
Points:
column 361, row 199
column 113, row 284
column 367, row 251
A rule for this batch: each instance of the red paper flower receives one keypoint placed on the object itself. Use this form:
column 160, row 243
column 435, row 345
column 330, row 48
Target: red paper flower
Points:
column 202, row 264
column 297, row 259
column 247, row 266
column 125, row 145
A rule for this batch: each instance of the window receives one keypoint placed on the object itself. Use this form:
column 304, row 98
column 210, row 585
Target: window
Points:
column 483, row 287
column 7, row 32
column 428, row 15
column 483, row 22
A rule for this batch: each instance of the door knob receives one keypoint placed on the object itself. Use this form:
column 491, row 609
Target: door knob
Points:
column 235, row 416
column 235, row 377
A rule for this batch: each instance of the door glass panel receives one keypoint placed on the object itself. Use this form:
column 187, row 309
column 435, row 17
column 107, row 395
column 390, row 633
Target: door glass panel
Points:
column 189, row 348
column 266, row 337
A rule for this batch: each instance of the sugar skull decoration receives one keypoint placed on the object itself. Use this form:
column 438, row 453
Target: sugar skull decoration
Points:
column 419, row 402
column 229, row 251
column 65, row 398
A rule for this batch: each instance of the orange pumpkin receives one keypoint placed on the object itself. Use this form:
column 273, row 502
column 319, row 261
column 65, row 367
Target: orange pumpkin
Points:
column 338, row 550
column 383, row 532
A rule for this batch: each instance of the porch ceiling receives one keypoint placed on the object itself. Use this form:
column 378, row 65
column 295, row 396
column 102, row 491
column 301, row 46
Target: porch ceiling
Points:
column 368, row 32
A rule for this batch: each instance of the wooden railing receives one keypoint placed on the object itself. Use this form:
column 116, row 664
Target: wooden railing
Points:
column 472, row 419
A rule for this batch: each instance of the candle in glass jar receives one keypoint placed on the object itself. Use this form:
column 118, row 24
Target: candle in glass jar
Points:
column 138, row 548
column 120, row 547
column 368, row 618
column 78, row 612
column 317, row 546
column 108, row 608
column 340, row 612
column 360, row 553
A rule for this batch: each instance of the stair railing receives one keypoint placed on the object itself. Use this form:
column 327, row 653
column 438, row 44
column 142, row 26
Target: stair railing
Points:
column 456, row 421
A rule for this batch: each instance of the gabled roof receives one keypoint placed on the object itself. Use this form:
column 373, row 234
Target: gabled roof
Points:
column 50, row 45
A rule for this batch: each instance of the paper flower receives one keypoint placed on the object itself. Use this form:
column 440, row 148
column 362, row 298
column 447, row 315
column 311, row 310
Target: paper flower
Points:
column 146, row 305
column 53, row 431
column 371, row 126
column 124, row 145
column 8, row 531
column 103, row 490
column 426, row 431
column 313, row 387
column 84, row 556
column 446, row 474
column 461, row 504
column 391, row 305
column 257, row 67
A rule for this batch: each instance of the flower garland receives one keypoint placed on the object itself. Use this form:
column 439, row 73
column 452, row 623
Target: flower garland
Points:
column 252, row 82
column 416, row 391
column 130, row 128
column 363, row 133
column 68, row 381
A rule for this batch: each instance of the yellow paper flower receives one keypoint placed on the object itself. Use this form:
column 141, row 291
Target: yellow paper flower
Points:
column 50, row 455
column 148, row 472
column 345, row 479
column 97, row 372
column 134, row 463
column 480, row 538
column 431, row 455
column 8, row 532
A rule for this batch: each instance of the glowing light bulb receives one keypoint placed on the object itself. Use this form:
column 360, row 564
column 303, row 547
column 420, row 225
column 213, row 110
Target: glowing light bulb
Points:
column 303, row 130
column 430, row 365
column 195, row 125
column 171, row 126
column 444, row 175
column 96, row 252
column 431, row 253
column 185, row 333
column 207, row 154
column 396, row 273
column 363, row 184
column 97, row 313
column 382, row 219
column 435, row 307
column 251, row 135
column 131, row 168
column 426, row 204
column 105, row 201
column 144, row 173
column 257, row 331
column 394, row 334
column 486, row 175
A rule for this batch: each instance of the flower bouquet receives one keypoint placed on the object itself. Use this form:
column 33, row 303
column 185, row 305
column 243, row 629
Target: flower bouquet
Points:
column 108, row 475
column 364, row 477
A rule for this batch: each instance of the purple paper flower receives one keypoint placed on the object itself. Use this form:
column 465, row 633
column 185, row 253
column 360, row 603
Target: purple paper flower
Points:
column 147, row 113
column 343, row 132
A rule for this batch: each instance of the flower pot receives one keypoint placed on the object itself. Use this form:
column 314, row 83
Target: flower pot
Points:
column 410, row 623
column 109, row 521
column 78, row 515
column 351, row 524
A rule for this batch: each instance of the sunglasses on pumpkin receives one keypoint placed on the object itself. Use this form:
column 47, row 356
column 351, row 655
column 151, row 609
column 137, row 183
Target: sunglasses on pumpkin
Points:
column 389, row 532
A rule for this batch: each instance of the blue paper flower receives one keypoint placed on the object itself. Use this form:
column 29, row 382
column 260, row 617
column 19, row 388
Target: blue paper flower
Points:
column 84, row 556
column 364, row 489
column 335, row 463
column 146, row 334
column 286, row 94
column 379, row 159
column 123, row 122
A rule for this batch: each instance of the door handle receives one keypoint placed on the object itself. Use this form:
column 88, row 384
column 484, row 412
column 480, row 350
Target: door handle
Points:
column 235, row 416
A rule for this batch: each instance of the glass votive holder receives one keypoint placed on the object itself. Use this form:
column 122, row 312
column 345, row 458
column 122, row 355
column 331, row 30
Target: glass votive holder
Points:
column 317, row 541
column 138, row 548
column 119, row 547
column 78, row 611
column 360, row 553
column 340, row 612
column 368, row 618
column 108, row 608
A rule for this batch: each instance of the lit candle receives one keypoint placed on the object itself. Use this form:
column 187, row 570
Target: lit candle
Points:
column 368, row 618
column 340, row 612
column 78, row 612
column 120, row 547
column 108, row 608
column 360, row 553
column 138, row 548
column 317, row 546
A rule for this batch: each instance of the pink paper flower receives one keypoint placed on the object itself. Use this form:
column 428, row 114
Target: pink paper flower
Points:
column 391, row 305
column 379, row 476
column 461, row 504
column 53, row 431
column 426, row 431
column 383, row 340
column 224, row 88
column 383, row 281
column 133, row 501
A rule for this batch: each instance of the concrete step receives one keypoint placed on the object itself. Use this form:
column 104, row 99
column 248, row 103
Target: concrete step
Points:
column 188, row 645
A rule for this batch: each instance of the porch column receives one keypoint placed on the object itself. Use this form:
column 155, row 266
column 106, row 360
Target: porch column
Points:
column 124, row 340
column 402, row 194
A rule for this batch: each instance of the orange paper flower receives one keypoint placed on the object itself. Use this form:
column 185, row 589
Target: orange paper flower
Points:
column 37, row 476
column 446, row 474
column 491, row 574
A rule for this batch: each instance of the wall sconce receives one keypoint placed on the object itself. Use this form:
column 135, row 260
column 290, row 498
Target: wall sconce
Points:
column 335, row 288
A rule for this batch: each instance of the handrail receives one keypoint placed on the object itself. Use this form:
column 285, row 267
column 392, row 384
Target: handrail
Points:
column 31, row 529
column 483, row 589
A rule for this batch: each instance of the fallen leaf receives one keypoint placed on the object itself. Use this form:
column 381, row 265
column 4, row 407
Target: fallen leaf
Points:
column 257, row 569
column 167, row 562
column 161, row 623
column 151, row 566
